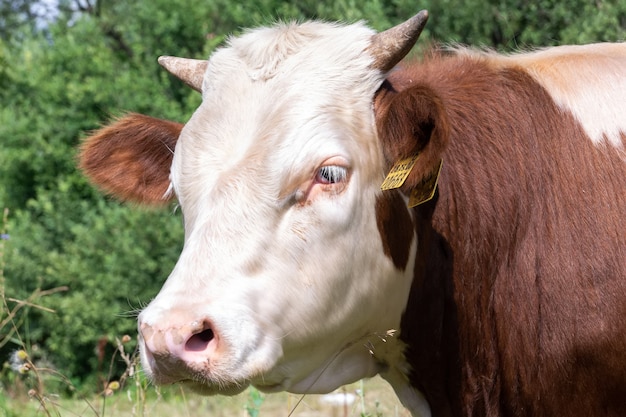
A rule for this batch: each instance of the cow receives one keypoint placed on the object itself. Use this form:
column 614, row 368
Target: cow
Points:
column 454, row 222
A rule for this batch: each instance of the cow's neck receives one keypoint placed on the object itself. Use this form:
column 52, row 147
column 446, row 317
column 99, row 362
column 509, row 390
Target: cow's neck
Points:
column 465, row 234
column 419, row 378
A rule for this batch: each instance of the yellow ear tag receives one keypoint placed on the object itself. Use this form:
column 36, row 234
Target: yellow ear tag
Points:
column 399, row 172
column 425, row 190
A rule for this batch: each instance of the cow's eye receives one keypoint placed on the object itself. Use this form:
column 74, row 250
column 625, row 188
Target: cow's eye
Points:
column 331, row 174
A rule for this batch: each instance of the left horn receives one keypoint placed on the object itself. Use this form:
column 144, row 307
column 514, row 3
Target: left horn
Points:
column 390, row 46
column 189, row 71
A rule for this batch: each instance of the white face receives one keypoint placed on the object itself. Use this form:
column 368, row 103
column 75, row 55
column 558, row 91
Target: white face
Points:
column 282, row 282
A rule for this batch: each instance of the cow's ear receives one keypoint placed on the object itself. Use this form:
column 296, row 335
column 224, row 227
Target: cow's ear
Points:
column 409, row 123
column 131, row 157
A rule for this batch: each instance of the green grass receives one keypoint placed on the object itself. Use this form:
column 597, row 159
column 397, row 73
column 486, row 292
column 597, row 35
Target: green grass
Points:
column 378, row 401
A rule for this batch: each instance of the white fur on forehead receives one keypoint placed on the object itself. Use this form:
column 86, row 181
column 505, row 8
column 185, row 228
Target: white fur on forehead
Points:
column 277, row 97
column 264, row 50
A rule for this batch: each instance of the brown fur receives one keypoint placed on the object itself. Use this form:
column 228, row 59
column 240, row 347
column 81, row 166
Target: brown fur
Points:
column 518, row 306
column 395, row 227
column 130, row 158
column 428, row 134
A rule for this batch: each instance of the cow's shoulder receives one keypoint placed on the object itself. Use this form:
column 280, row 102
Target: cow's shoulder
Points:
column 587, row 80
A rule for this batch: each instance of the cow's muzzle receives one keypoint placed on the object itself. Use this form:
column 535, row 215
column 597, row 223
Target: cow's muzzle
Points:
column 178, row 353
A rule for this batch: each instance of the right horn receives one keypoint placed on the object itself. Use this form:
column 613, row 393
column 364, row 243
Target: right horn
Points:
column 389, row 47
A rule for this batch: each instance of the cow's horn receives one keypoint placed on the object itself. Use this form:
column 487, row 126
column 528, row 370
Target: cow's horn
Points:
column 189, row 71
column 390, row 46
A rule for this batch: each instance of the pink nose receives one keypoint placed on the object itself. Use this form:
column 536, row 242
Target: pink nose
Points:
column 175, row 353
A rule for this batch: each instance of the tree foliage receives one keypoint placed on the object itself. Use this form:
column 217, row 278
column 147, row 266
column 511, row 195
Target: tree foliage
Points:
column 514, row 24
column 97, row 59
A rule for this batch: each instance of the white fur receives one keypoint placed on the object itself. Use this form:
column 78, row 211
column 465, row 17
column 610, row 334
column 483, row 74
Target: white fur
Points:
column 292, row 275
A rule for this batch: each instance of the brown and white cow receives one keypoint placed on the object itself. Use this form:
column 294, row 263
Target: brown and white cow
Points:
column 504, row 295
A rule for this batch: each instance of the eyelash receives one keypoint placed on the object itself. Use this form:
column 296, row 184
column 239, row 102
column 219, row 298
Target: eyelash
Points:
column 331, row 174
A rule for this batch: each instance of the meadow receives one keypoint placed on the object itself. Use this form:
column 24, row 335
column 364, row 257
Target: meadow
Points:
column 29, row 396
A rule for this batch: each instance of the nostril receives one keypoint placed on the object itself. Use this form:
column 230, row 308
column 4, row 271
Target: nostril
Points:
column 199, row 341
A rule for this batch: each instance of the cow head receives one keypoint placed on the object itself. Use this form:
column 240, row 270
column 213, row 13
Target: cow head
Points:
column 287, row 279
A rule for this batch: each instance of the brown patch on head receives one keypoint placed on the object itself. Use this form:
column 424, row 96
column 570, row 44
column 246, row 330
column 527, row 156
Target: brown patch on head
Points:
column 131, row 158
column 395, row 227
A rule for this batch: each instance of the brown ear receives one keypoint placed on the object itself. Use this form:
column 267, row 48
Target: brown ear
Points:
column 131, row 157
column 411, row 122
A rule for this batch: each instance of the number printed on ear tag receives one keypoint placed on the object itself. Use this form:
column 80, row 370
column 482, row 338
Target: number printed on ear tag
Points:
column 399, row 173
